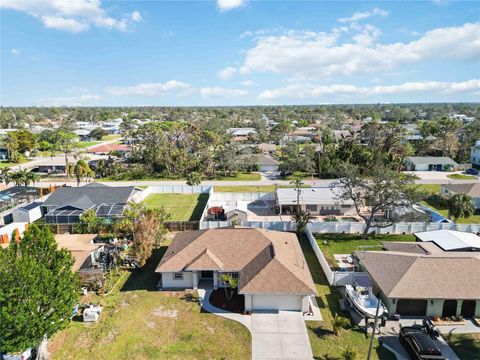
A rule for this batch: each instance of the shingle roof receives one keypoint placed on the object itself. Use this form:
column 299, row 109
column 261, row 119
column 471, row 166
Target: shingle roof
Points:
column 414, row 276
column 260, row 159
column 80, row 245
column 471, row 189
column 87, row 196
column 427, row 160
column 267, row 261
column 106, row 148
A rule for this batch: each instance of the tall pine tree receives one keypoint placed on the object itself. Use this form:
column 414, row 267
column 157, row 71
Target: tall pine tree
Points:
column 38, row 290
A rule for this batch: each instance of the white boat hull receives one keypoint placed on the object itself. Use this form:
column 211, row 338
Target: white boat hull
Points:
column 363, row 307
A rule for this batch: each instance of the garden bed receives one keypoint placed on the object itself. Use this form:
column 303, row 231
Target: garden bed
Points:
column 236, row 304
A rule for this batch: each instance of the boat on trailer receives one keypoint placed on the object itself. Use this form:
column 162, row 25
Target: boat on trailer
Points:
column 363, row 300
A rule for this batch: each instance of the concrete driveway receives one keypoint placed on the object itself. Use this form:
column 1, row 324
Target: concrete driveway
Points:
column 280, row 336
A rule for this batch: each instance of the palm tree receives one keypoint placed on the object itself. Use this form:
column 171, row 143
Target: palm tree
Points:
column 338, row 323
column 18, row 177
column 298, row 183
column 302, row 218
column 32, row 177
column 82, row 170
column 6, row 175
column 459, row 205
column 232, row 284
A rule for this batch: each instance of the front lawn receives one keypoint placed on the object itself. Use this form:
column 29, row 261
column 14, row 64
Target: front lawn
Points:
column 252, row 176
column 466, row 346
column 139, row 322
column 331, row 244
column 181, row 207
column 85, row 144
column 326, row 345
column 433, row 189
column 461, row 177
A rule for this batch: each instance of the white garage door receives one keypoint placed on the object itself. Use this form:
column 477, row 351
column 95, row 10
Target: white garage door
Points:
column 276, row 302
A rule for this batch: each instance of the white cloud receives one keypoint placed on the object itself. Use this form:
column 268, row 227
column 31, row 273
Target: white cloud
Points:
column 364, row 15
column 301, row 91
column 61, row 23
column 226, row 5
column 136, row 16
column 71, row 15
column 150, row 89
column 227, row 73
column 82, row 100
column 222, row 92
column 317, row 54
column 248, row 83
column 15, row 51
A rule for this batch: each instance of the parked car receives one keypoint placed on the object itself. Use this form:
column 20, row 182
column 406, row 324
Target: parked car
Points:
column 419, row 344
column 472, row 171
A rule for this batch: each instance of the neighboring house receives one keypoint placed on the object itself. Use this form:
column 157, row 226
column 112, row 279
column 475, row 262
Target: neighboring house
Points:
column 267, row 148
column 241, row 132
column 470, row 189
column 422, row 279
column 3, row 153
column 450, row 240
column 428, row 163
column 269, row 265
column 15, row 229
column 108, row 148
column 318, row 201
column 64, row 206
column 475, row 154
column 83, row 134
column 28, row 213
column 84, row 251
column 260, row 162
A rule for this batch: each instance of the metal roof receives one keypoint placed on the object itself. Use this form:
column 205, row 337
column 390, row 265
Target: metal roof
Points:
column 316, row 195
column 428, row 160
column 451, row 240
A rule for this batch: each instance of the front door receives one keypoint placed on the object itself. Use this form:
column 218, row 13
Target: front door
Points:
column 468, row 308
column 449, row 308
column 207, row 275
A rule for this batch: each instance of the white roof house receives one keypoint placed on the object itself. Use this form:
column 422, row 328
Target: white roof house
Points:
column 241, row 131
column 316, row 195
column 451, row 240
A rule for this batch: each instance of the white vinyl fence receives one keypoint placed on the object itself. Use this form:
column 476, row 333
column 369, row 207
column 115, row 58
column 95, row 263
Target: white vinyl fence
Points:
column 175, row 189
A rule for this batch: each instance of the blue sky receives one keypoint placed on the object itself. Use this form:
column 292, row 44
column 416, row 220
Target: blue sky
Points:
column 236, row 52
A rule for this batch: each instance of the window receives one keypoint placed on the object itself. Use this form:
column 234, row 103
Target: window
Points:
column 311, row 207
column 232, row 274
column 177, row 276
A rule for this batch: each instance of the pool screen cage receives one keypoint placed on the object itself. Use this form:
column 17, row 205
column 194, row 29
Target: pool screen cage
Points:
column 107, row 212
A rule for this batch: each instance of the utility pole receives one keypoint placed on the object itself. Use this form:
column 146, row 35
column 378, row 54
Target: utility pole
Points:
column 374, row 326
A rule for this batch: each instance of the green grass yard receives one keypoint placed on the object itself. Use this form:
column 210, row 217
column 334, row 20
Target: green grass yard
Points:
column 326, row 345
column 85, row 144
column 474, row 219
column 139, row 322
column 466, row 346
column 331, row 244
column 252, row 176
column 181, row 207
column 461, row 177
column 430, row 188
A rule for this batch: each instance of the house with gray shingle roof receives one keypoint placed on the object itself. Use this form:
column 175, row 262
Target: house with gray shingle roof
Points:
column 269, row 265
column 423, row 279
column 65, row 205
column 428, row 163
column 470, row 189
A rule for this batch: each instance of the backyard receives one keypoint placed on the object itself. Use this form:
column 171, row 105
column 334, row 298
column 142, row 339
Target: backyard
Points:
column 139, row 322
column 331, row 244
column 181, row 207
column 326, row 345
column 433, row 204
